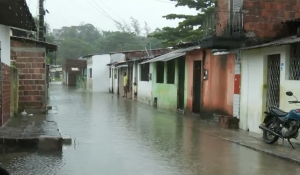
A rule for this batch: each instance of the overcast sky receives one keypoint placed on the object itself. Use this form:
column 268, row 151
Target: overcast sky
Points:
column 74, row 12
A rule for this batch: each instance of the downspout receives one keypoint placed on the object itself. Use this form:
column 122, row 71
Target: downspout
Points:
column 202, row 74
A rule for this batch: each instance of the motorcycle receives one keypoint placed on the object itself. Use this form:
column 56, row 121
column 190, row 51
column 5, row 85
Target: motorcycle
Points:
column 280, row 124
column 3, row 171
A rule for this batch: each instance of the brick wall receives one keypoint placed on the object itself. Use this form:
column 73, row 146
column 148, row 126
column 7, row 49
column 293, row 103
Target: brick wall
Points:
column 30, row 60
column 6, row 93
column 262, row 19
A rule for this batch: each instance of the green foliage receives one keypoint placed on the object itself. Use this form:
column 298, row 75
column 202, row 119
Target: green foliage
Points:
column 190, row 28
column 76, row 41
column 48, row 60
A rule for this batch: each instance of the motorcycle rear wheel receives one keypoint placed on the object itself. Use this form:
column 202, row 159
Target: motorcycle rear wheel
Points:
column 266, row 134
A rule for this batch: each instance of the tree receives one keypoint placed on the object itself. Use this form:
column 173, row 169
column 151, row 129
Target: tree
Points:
column 147, row 29
column 136, row 26
column 191, row 26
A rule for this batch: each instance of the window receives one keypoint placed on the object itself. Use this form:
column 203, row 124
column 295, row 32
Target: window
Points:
column 294, row 68
column 160, row 72
column 145, row 72
column 109, row 72
column 171, row 72
column 91, row 73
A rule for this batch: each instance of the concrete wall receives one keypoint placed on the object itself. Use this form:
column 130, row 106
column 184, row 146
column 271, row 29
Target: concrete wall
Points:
column 254, row 89
column 5, row 44
column 100, row 73
column 218, row 89
column 145, row 87
column 167, row 93
column 89, row 81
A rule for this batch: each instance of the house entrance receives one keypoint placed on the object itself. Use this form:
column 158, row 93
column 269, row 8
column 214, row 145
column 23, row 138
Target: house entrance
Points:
column 273, row 81
column 181, row 79
column 196, row 87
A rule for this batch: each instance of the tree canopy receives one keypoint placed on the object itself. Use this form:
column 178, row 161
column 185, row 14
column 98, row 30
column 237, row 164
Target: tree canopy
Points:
column 190, row 28
column 76, row 41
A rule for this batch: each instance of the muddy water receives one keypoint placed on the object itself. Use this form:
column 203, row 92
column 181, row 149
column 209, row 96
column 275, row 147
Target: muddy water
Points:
column 114, row 136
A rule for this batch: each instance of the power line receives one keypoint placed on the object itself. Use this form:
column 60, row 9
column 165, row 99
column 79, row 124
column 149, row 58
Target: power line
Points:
column 104, row 12
column 111, row 9
column 165, row 2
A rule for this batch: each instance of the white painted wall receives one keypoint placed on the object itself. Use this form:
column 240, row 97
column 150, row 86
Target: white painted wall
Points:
column 101, row 73
column 89, row 81
column 5, row 44
column 253, row 85
column 145, row 87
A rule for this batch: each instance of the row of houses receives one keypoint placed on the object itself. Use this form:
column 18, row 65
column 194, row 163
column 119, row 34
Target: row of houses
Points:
column 246, row 61
column 24, row 72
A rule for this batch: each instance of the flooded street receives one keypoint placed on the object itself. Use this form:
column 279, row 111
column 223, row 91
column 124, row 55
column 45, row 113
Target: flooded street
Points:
column 114, row 136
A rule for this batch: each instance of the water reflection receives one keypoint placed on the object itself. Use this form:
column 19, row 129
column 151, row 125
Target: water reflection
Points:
column 117, row 136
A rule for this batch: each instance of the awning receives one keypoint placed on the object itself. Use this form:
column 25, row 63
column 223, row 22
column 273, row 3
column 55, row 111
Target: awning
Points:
column 279, row 42
column 172, row 55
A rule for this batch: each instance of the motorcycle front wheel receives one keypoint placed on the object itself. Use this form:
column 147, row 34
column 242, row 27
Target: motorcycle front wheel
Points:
column 269, row 138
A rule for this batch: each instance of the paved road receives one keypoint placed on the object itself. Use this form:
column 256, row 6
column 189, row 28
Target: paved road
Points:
column 119, row 137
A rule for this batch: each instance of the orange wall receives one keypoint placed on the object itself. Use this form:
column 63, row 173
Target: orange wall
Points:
column 218, row 90
column 190, row 58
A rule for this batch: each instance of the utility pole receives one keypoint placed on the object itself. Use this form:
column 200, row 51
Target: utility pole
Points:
column 41, row 29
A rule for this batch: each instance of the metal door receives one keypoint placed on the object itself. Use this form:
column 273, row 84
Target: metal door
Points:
column 273, row 81
column 181, row 79
column 197, row 87
column 1, row 119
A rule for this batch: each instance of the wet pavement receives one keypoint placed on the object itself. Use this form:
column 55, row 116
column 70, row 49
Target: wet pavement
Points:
column 113, row 136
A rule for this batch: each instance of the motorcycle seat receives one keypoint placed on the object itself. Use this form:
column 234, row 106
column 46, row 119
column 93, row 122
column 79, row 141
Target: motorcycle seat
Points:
column 278, row 112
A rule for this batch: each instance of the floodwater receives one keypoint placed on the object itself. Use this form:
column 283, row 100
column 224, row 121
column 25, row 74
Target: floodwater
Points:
column 113, row 136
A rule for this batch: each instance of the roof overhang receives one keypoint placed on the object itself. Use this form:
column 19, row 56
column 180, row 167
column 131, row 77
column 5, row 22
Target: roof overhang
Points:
column 15, row 13
column 49, row 46
column 172, row 55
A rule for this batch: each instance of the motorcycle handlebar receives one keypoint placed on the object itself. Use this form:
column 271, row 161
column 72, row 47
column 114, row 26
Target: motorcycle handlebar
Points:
column 294, row 101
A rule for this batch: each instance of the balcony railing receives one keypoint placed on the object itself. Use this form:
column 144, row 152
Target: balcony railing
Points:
column 223, row 24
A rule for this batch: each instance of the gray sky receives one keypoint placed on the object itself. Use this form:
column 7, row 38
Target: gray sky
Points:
column 73, row 12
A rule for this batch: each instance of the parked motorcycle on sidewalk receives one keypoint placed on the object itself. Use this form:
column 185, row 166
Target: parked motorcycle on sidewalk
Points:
column 280, row 124
column 3, row 171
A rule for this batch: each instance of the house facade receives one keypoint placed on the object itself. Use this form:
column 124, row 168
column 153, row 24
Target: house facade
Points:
column 22, row 21
column 98, row 73
column 268, row 71
column 71, row 70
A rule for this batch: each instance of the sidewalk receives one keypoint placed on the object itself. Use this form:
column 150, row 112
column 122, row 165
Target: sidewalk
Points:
column 255, row 142
column 32, row 133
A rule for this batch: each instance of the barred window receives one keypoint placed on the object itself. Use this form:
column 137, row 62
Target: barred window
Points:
column 145, row 72
column 160, row 72
column 294, row 69
column 171, row 72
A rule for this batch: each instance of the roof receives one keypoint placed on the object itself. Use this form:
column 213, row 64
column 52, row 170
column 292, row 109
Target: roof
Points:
column 49, row 46
column 15, row 13
column 172, row 55
column 291, row 20
column 283, row 41
column 131, row 51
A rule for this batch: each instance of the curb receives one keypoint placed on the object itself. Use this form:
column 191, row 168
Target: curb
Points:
column 297, row 161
